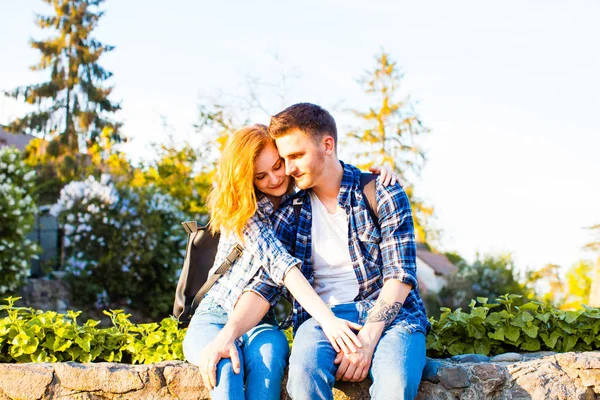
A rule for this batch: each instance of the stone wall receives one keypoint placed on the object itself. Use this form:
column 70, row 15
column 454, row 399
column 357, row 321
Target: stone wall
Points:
column 508, row 376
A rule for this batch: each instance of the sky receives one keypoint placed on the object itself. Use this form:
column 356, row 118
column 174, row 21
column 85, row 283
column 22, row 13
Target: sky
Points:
column 510, row 91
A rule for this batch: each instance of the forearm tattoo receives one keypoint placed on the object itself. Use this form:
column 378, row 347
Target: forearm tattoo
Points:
column 386, row 312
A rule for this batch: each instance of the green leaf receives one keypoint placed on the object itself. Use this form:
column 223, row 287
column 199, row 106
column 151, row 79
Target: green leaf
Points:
column 543, row 317
column 152, row 339
column 456, row 348
column 475, row 331
column 482, row 347
column 498, row 334
column 494, row 318
column 530, row 344
column 550, row 341
column 531, row 306
column 67, row 332
column 522, row 319
column 512, row 333
column 531, row 331
column 571, row 316
column 569, row 342
column 84, row 343
column 26, row 344
column 61, row 344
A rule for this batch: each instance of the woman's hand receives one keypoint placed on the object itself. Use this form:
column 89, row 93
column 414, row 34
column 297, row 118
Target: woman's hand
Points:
column 340, row 334
column 210, row 356
column 388, row 176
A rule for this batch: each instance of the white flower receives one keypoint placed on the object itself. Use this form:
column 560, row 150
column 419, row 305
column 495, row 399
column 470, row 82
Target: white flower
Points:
column 29, row 175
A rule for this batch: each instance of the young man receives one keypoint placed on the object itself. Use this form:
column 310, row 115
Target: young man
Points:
column 364, row 269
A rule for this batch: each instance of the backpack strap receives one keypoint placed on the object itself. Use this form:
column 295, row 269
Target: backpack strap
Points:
column 297, row 204
column 367, row 186
column 223, row 268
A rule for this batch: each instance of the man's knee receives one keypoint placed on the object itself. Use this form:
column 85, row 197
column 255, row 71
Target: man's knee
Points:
column 402, row 384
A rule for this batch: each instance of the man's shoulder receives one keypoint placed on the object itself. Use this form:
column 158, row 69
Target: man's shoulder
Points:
column 394, row 196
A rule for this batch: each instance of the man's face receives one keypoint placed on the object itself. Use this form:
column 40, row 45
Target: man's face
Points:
column 304, row 159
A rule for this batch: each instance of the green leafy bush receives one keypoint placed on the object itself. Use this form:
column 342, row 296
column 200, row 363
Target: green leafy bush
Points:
column 27, row 335
column 17, row 212
column 532, row 326
column 123, row 246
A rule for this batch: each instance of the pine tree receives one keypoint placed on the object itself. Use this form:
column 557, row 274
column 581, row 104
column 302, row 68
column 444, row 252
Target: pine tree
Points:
column 389, row 129
column 73, row 106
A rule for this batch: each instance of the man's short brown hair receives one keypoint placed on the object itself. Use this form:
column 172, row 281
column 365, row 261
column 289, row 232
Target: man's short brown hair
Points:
column 312, row 119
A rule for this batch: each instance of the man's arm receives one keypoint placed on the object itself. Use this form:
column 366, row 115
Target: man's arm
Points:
column 355, row 367
column 248, row 312
column 398, row 253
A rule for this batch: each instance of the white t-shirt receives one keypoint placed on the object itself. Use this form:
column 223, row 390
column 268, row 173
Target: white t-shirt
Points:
column 335, row 279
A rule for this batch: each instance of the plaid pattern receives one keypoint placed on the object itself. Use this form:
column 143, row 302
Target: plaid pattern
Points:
column 263, row 255
column 378, row 253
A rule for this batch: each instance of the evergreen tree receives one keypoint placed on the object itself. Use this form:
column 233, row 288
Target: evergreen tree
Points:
column 390, row 128
column 73, row 105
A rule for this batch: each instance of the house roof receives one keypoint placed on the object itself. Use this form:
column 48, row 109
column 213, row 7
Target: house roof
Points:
column 438, row 262
column 18, row 140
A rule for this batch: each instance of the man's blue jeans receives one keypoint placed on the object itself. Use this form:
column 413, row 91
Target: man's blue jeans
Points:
column 263, row 355
column 396, row 367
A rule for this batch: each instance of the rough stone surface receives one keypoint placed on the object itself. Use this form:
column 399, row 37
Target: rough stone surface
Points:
column 539, row 376
column 454, row 377
column 507, row 357
column 470, row 358
column 25, row 381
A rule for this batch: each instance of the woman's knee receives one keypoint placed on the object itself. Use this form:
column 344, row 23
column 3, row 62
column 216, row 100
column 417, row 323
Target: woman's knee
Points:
column 268, row 349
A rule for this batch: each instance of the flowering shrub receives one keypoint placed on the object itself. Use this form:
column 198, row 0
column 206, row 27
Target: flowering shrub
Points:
column 17, row 213
column 123, row 246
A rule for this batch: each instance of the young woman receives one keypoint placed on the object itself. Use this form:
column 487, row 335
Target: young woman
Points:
column 234, row 353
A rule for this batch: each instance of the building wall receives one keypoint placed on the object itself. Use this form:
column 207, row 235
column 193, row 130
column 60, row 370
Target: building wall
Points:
column 427, row 275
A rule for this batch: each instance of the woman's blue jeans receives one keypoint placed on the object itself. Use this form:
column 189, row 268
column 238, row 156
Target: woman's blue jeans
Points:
column 396, row 368
column 263, row 355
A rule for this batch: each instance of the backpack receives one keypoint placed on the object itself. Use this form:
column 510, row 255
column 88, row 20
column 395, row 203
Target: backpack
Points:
column 201, row 250
column 194, row 281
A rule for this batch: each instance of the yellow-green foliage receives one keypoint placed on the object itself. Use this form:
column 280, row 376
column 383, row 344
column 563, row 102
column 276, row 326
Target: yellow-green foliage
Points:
column 27, row 335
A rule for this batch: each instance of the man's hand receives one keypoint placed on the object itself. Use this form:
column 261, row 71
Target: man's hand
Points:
column 210, row 356
column 354, row 367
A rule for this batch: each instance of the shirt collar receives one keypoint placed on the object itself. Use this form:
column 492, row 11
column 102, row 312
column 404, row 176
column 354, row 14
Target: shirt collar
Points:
column 264, row 204
column 349, row 179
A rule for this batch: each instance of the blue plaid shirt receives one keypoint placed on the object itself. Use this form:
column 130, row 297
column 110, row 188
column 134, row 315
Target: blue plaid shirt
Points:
column 263, row 255
column 378, row 251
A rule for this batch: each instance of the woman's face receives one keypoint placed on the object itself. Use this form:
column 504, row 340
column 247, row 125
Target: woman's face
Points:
column 269, row 172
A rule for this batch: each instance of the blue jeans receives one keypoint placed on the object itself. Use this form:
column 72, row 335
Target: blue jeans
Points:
column 263, row 355
column 396, row 368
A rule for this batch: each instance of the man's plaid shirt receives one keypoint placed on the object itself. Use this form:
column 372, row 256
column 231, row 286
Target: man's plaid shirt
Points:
column 378, row 251
column 263, row 255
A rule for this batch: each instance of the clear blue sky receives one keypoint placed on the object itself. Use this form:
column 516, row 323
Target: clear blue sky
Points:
column 510, row 90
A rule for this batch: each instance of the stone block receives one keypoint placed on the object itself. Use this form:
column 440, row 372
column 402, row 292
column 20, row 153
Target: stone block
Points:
column 454, row 377
column 25, row 381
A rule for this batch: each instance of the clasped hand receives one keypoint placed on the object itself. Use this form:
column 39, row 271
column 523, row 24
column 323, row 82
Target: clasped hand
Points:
column 355, row 366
